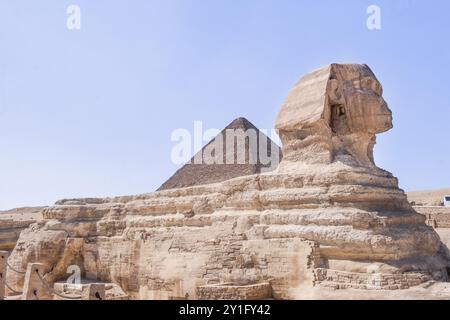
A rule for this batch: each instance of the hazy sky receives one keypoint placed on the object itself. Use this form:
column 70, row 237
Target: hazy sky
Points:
column 90, row 112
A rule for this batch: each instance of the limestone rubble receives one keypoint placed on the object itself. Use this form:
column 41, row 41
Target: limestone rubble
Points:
column 326, row 218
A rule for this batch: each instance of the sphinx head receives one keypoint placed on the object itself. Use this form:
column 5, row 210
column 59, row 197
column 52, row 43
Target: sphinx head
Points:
column 355, row 101
column 334, row 113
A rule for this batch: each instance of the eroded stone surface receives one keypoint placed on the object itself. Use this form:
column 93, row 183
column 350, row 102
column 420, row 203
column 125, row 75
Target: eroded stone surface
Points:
column 12, row 222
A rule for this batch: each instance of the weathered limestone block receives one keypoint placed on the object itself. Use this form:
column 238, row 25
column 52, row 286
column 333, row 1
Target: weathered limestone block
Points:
column 12, row 222
column 235, row 292
column 34, row 287
column 94, row 291
column 436, row 216
column 378, row 281
column 51, row 248
column 86, row 290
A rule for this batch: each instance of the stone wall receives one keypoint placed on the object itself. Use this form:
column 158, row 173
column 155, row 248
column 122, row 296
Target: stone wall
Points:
column 235, row 292
column 171, row 263
column 344, row 280
column 437, row 216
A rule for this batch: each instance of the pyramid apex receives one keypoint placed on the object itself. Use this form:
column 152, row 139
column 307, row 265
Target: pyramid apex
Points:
column 240, row 123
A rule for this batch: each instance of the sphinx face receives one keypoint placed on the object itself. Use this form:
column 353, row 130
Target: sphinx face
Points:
column 357, row 105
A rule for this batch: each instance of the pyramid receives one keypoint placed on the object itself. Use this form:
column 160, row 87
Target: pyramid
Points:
column 246, row 159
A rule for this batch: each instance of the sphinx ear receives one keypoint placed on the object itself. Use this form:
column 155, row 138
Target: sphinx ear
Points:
column 334, row 93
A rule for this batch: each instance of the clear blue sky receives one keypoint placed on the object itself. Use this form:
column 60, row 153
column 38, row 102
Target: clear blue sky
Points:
column 90, row 112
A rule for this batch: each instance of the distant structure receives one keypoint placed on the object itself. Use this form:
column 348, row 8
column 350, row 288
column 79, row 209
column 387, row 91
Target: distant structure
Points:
column 447, row 201
column 434, row 198
column 248, row 142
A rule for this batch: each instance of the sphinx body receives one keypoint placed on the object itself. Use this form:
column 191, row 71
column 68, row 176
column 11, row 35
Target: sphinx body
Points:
column 326, row 217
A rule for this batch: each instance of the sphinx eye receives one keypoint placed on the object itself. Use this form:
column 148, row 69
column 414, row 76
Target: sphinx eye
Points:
column 367, row 83
column 371, row 84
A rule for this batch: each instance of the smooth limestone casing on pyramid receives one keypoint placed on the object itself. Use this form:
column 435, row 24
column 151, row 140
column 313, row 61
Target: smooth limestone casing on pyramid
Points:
column 326, row 217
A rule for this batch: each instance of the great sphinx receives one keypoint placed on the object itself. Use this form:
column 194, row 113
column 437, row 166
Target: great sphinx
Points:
column 327, row 217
